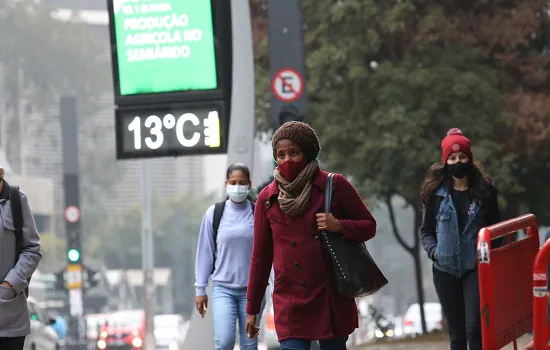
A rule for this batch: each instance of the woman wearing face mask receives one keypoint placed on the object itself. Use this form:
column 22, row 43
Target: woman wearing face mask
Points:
column 288, row 218
column 225, row 258
column 459, row 200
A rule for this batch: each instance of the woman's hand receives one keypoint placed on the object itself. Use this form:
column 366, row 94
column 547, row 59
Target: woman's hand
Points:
column 251, row 328
column 202, row 304
column 327, row 222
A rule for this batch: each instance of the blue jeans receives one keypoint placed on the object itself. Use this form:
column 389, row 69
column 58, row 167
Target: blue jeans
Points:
column 228, row 306
column 302, row 344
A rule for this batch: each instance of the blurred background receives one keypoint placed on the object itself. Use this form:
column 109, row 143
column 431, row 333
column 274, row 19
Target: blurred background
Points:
column 385, row 81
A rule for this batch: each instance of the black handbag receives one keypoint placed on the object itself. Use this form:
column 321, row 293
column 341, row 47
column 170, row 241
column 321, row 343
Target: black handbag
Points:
column 356, row 272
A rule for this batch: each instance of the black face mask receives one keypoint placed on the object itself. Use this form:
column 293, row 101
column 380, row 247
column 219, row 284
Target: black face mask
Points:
column 459, row 169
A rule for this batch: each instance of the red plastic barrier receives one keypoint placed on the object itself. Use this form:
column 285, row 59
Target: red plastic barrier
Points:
column 505, row 281
column 540, row 298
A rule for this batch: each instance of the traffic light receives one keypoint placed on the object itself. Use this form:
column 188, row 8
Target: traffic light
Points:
column 289, row 113
column 93, row 277
column 74, row 255
column 60, row 283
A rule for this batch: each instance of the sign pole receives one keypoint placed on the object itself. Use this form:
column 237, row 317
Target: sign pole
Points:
column 148, row 259
column 286, row 59
column 76, row 330
column 242, row 126
column 241, row 140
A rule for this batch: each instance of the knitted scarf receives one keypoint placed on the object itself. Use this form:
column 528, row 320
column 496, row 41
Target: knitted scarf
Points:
column 294, row 196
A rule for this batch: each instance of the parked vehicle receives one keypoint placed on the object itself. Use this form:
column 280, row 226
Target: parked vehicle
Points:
column 43, row 336
column 411, row 321
column 93, row 324
column 170, row 331
column 123, row 330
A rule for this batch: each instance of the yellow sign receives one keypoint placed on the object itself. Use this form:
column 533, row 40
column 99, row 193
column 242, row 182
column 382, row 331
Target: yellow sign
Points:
column 74, row 276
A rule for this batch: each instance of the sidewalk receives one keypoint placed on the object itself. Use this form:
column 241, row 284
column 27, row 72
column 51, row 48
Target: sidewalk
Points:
column 433, row 344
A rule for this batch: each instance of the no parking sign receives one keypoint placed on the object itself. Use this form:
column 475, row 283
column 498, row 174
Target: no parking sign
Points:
column 287, row 85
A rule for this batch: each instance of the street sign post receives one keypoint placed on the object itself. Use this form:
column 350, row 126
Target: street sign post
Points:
column 286, row 58
column 74, row 276
column 72, row 214
column 76, row 328
column 287, row 85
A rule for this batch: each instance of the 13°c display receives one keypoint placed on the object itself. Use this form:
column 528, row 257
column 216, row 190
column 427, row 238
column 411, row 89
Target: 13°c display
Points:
column 169, row 131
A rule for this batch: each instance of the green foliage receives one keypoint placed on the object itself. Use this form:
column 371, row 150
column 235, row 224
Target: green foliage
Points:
column 385, row 98
column 176, row 226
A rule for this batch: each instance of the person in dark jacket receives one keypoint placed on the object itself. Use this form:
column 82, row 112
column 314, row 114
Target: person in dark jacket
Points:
column 289, row 215
column 459, row 200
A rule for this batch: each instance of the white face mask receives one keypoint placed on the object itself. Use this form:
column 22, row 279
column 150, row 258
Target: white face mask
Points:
column 237, row 193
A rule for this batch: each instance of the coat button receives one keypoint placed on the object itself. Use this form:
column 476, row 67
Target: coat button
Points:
column 303, row 284
column 266, row 204
column 296, row 266
column 293, row 244
column 317, row 237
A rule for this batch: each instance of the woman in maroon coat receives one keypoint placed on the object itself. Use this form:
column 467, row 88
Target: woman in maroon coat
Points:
column 289, row 215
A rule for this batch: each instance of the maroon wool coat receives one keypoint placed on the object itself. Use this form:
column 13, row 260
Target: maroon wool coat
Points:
column 306, row 301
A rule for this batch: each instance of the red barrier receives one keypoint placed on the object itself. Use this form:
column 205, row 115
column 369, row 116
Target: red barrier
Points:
column 505, row 281
column 540, row 298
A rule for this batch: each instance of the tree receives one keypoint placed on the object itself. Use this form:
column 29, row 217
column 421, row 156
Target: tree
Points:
column 384, row 87
column 514, row 36
column 176, row 227
column 261, row 64
column 176, row 219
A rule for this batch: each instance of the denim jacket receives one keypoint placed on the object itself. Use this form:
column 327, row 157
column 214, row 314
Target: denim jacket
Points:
column 452, row 251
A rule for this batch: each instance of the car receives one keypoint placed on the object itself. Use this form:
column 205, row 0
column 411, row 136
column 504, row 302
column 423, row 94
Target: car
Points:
column 93, row 323
column 123, row 330
column 411, row 320
column 43, row 336
column 170, row 331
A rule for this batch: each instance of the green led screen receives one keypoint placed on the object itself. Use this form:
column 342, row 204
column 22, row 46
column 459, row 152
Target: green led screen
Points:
column 164, row 46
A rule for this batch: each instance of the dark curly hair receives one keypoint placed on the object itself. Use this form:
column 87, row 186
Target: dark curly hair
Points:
column 479, row 182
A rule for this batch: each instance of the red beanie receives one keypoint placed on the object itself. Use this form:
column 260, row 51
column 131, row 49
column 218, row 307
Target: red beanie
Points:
column 455, row 141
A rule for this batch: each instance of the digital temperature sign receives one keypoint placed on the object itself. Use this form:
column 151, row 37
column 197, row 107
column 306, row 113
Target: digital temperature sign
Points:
column 172, row 66
column 159, row 131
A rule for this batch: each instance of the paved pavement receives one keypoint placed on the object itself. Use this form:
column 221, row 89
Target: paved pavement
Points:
column 431, row 345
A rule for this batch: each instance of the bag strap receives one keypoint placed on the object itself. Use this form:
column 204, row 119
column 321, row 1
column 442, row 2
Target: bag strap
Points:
column 17, row 216
column 328, row 192
column 218, row 213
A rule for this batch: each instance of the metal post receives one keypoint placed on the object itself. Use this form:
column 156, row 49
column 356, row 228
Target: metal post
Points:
column 148, row 259
column 242, row 127
column 69, row 136
column 241, row 140
column 286, row 58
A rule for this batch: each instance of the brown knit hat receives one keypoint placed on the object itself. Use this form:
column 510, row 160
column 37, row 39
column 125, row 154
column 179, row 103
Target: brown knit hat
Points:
column 302, row 134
